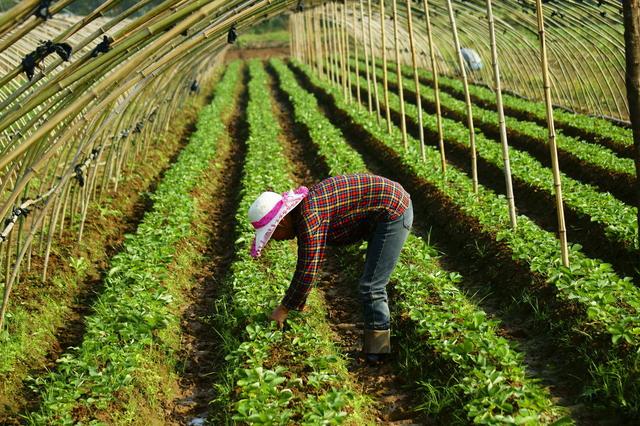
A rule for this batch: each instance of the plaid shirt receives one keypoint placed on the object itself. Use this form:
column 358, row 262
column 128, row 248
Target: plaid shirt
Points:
column 339, row 210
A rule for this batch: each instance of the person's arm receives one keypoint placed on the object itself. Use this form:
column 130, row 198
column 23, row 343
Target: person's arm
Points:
column 311, row 250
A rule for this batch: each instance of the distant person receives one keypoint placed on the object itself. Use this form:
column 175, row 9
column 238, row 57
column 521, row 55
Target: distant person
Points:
column 471, row 58
column 339, row 210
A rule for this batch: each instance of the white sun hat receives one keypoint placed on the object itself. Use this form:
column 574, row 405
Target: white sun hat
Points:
column 268, row 210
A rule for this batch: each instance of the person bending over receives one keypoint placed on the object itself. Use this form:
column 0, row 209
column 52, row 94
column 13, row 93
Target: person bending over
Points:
column 339, row 210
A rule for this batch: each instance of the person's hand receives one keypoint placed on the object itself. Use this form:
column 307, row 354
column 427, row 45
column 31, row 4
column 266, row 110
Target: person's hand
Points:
column 279, row 315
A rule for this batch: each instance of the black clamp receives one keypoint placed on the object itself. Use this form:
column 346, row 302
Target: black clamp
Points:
column 95, row 152
column 195, row 86
column 103, row 47
column 232, row 36
column 139, row 127
column 44, row 49
column 300, row 6
column 79, row 175
column 42, row 11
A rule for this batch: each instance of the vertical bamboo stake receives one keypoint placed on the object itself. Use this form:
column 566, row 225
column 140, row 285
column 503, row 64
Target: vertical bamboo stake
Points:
column 318, row 42
column 403, row 118
column 309, row 36
column 332, row 48
column 355, row 47
column 294, row 37
column 345, row 37
column 373, row 64
column 291, row 38
column 562, row 231
column 436, row 87
column 303, row 40
column 366, row 58
column 385, row 79
column 503, row 127
column 303, row 37
column 463, row 70
column 416, row 78
column 631, row 13
column 336, row 49
column 325, row 41
column 340, row 41
column 300, row 38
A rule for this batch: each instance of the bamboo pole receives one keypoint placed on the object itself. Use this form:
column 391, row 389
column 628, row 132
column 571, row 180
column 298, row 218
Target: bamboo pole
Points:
column 173, row 53
column 318, row 42
column 403, row 118
column 340, row 44
column 436, row 87
column 366, row 58
column 373, row 64
column 501, row 119
column 125, row 70
column 328, row 41
column 355, row 47
column 309, row 36
column 347, row 52
column 31, row 23
column 416, row 79
column 334, row 48
column 14, row 16
column 385, row 77
column 467, row 96
column 562, row 231
column 631, row 12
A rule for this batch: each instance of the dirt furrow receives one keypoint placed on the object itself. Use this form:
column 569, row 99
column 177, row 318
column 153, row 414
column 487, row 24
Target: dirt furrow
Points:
column 338, row 282
column 201, row 354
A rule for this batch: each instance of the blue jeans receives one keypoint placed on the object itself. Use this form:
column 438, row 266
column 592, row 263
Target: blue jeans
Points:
column 383, row 251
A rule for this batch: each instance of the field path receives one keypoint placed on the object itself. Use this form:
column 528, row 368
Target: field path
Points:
column 200, row 342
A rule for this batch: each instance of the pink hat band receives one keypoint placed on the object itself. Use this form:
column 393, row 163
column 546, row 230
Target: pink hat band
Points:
column 268, row 217
column 278, row 205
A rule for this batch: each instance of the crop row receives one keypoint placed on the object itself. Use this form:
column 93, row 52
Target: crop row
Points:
column 606, row 309
column 133, row 315
column 598, row 130
column 273, row 376
column 585, row 161
column 617, row 219
column 489, row 378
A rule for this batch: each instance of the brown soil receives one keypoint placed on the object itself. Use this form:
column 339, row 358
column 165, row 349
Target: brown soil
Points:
column 494, row 281
column 394, row 401
column 200, row 343
column 260, row 53
column 103, row 238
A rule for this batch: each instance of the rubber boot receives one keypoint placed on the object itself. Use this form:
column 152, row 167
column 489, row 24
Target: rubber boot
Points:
column 377, row 342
